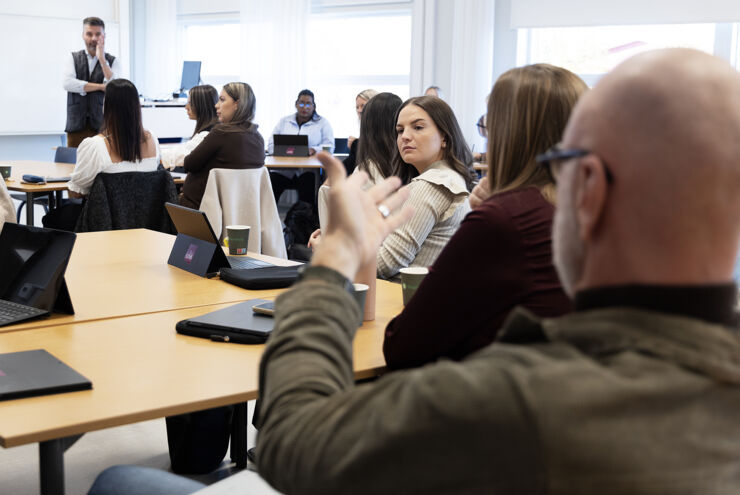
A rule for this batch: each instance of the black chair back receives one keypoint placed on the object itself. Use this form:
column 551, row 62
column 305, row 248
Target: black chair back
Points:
column 129, row 200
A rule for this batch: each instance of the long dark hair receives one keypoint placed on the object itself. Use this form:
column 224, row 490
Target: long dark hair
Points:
column 203, row 100
column 377, row 142
column 122, row 119
column 456, row 152
column 246, row 106
column 308, row 92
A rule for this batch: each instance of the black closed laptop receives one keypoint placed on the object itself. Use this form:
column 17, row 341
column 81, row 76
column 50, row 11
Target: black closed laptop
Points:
column 36, row 372
column 238, row 323
column 290, row 145
column 34, row 260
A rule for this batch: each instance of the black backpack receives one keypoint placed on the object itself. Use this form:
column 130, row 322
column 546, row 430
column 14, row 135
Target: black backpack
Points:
column 300, row 222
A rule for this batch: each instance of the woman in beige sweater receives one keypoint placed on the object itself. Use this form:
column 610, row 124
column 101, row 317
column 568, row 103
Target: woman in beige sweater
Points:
column 434, row 160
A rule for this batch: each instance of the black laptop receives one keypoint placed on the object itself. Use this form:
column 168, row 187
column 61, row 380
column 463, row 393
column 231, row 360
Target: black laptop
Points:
column 194, row 223
column 290, row 145
column 238, row 323
column 33, row 263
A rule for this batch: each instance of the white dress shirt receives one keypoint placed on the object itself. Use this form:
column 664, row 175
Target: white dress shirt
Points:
column 74, row 85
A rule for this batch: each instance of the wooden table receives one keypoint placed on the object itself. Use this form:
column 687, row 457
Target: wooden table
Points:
column 125, row 272
column 292, row 162
column 43, row 169
column 141, row 369
column 122, row 337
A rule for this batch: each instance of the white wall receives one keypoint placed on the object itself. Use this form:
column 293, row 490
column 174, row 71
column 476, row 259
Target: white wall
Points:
column 35, row 39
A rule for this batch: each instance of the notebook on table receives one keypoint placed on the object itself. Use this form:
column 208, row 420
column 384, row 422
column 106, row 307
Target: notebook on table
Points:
column 290, row 145
column 36, row 372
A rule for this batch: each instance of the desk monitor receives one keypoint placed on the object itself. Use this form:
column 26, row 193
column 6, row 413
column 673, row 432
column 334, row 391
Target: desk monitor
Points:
column 190, row 74
column 290, row 145
column 33, row 264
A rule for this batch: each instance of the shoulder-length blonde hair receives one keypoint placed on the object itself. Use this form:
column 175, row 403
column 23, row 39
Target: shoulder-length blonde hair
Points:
column 527, row 111
column 246, row 106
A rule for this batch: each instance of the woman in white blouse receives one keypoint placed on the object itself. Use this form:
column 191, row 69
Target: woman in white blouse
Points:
column 201, row 108
column 123, row 145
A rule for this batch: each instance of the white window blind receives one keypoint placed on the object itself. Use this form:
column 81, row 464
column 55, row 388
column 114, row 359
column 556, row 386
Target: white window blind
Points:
column 548, row 13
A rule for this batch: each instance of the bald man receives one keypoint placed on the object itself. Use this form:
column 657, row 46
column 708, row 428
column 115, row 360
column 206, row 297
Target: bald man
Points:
column 637, row 391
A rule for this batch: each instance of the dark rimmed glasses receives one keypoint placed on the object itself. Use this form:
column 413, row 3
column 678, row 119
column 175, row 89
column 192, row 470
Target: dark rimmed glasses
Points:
column 554, row 158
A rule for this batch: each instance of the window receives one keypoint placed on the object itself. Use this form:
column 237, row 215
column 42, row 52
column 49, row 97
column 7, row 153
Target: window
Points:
column 592, row 51
column 215, row 45
column 353, row 53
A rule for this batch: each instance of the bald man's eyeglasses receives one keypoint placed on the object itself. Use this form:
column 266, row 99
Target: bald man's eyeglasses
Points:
column 554, row 158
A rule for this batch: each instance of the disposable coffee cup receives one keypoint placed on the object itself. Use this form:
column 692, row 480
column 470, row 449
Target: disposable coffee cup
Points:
column 411, row 280
column 326, row 148
column 360, row 295
column 5, row 171
column 238, row 236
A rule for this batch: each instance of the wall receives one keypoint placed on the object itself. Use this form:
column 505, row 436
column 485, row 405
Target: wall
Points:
column 36, row 39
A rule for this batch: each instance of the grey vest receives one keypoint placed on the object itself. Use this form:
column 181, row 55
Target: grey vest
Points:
column 89, row 107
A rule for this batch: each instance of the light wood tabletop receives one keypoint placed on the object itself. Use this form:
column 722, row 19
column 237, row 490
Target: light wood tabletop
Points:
column 142, row 369
column 125, row 272
column 292, row 162
column 42, row 169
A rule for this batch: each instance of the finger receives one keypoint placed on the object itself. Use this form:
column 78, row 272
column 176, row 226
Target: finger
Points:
column 383, row 189
column 334, row 168
column 358, row 178
column 397, row 199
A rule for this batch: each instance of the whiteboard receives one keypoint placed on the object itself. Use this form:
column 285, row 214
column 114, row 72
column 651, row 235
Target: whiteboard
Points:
column 33, row 52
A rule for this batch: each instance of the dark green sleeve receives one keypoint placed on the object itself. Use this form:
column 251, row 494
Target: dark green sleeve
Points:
column 448, row 427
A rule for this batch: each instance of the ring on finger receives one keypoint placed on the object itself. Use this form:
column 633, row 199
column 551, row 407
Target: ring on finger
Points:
column 384, row 210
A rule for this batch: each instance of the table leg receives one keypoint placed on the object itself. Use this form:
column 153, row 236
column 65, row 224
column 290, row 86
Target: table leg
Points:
column 239, row 436
column 51, row 464
column 29, row 208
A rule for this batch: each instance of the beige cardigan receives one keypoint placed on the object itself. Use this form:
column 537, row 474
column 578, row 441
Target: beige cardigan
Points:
column 7, row 208
column 244, row 197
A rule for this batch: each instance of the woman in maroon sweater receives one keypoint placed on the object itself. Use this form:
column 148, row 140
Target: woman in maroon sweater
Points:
column 501, row 256
column 234, row 143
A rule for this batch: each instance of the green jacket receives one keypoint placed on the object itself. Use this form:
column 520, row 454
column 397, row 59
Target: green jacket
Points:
column 609, row 401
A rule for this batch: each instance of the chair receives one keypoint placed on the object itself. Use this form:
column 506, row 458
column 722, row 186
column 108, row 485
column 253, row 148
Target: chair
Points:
column 244, row 197
column 63, row 154
column 128, row 200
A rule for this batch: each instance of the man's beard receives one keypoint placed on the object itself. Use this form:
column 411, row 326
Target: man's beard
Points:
column 568, row 250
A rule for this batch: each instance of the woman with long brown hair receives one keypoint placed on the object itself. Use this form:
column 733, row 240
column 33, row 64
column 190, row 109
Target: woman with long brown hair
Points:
column 432, row 157
column 501, row 256
column 123, row 144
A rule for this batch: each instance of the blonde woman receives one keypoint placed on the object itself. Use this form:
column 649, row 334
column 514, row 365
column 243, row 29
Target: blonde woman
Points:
column 234, row 143
column 501, row 256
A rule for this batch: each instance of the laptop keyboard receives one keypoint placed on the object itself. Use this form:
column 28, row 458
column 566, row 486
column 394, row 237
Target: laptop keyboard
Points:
column 11, row 312
column 246, row 262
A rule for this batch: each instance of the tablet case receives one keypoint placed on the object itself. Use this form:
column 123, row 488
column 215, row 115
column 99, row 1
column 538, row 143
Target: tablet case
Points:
column 34, row 260
column 236, row 323
column 31, row 373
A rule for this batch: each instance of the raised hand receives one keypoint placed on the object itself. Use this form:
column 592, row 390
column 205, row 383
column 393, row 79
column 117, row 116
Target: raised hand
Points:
column 359, row 220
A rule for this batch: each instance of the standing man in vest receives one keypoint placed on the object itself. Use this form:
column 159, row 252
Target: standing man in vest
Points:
column 85, row 77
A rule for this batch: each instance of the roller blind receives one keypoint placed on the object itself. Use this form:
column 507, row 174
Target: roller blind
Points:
column 560, row 13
